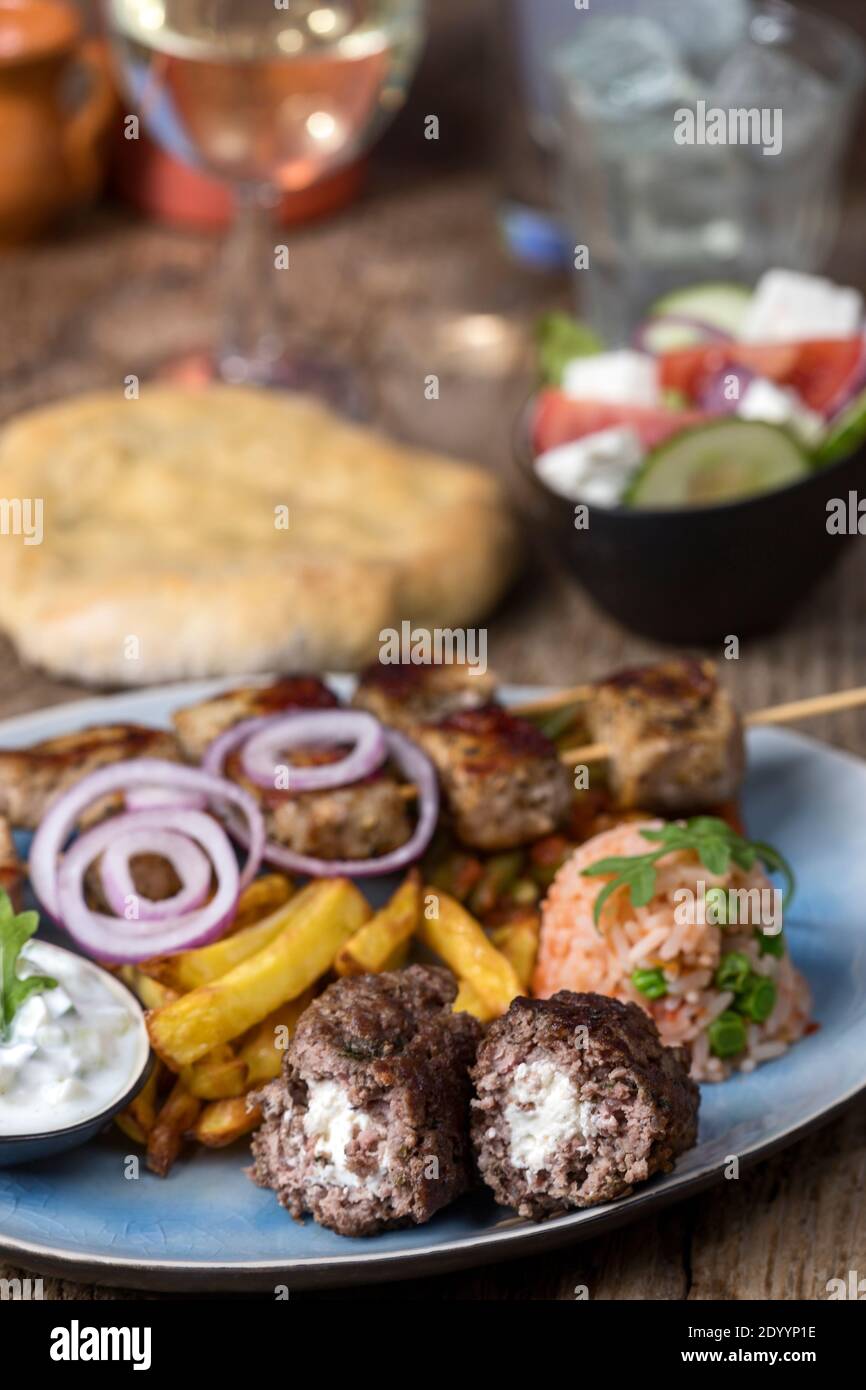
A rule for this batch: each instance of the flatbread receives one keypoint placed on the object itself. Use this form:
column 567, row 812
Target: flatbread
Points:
column 166, row 553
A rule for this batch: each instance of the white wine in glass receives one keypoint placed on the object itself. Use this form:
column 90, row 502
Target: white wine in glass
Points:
column 270, row 96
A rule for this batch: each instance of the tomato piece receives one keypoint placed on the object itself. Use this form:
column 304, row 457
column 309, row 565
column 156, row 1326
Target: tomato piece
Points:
column 692, row 370
column 558, row 420
column 824, row 370
column 820, row 371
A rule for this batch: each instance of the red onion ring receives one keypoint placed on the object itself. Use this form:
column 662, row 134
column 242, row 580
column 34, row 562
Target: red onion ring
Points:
column 713, row 394
column 121, row 942
column 145, row 798
column 283, row 732
column 192, row 867
column 419, row 769
column 711, row 334
column 64, row 811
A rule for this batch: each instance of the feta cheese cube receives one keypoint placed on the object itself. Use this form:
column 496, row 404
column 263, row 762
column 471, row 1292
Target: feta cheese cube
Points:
column 788, row 307
column 623, row 378
column 777, row 405
column 595, row 469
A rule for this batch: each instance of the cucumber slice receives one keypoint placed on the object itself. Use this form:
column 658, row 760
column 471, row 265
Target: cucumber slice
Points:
column 846, row 435
column 688, row 317
column 721, row 462
column 718, row 304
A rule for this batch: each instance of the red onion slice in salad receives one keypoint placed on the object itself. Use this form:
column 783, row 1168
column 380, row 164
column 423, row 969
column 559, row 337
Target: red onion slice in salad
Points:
column 722, row 392
column 642, row 336
column 138, row 837
column 120, row 941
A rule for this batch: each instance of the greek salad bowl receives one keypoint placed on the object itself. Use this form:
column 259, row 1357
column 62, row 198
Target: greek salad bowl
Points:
column 701, row 483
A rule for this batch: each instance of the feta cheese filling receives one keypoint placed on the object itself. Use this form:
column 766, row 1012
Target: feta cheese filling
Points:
column 334, row 1123
column 543, row 1113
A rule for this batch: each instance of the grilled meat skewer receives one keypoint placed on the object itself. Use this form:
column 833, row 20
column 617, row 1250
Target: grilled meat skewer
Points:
column 502, row 780
column 361, row 821
column 676, row 737
column 30, row 778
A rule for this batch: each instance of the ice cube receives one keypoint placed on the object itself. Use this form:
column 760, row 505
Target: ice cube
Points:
column 760, row 76
column 618, row 68
column 704, row 32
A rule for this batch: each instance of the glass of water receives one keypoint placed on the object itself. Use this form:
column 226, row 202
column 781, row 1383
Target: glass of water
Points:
column 701, row 141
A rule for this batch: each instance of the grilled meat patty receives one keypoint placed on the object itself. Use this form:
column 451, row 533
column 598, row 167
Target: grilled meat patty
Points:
column 405, row 695
column 367, row 1128
column 502, row 779
column 11, row 868
column 576, row 1100
column 198, row 725
column 676, row 737
column 30, row 778
column 361, row 821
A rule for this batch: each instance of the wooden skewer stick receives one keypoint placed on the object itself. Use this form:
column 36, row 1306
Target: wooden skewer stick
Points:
column 573, row 695
column 810, row 708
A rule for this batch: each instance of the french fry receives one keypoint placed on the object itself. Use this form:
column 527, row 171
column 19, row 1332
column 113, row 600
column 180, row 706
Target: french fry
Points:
column 518, row 942
column 398, row 956
column 371, row 949
column 127, row 1123
column 305, row 948
column 469, row 1001
column 264, row 1048
column 190, row 969
column 177, row 1116
column 261, row 898
column 217, row 1075
column 460, row 941
column 224, row 1121
column 142, row 1110
column 151, row 993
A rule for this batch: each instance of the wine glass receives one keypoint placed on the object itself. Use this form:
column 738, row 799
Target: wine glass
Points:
column 269, row 95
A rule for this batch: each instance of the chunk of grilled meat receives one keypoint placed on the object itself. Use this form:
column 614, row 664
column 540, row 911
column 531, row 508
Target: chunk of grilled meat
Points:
column 404, row 695
column 198, row 725
column 11, row 868
column 676, row 737
column 30, row 778
column 358, row 822
column 502, row 779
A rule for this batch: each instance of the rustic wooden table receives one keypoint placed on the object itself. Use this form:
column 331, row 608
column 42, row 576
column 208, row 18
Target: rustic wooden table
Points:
column 395, row 284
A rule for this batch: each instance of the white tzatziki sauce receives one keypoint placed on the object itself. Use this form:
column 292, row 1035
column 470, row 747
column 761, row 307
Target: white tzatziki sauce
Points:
column 71, row 1051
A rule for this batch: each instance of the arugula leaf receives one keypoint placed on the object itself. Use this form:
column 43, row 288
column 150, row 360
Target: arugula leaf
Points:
column 15, row 931
column 558, row 338
column 716, row 844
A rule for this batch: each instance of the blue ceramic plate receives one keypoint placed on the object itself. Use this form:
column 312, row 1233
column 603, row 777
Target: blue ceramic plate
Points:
column 206, row 1227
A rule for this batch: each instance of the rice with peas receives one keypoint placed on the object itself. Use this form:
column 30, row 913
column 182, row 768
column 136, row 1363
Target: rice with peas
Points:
column 663, row 937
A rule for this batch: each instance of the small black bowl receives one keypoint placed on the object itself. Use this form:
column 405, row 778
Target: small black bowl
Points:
column 700, row 574
column 27, row 1148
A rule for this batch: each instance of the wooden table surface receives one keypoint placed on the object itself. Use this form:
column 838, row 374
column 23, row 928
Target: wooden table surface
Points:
column 392, row 284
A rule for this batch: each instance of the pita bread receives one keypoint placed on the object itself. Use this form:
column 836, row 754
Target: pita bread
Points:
column 231, row 529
